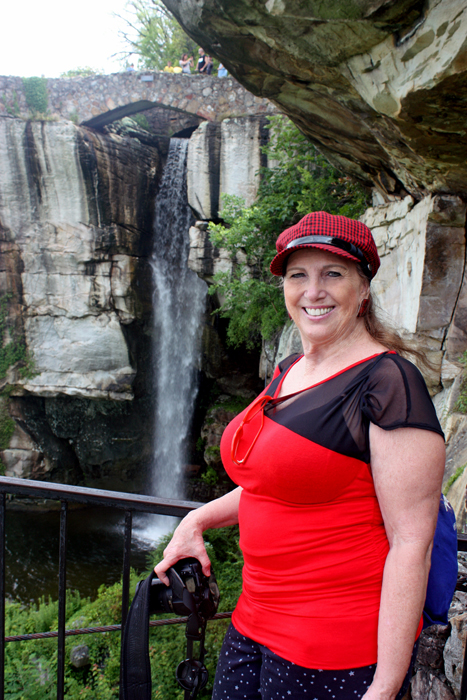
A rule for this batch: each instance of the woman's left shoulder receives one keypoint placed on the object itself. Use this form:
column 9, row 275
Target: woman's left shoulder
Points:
column 391, row 367
column 396, row 395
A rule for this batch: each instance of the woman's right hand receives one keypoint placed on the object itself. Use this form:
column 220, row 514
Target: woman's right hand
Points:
column 187, row 541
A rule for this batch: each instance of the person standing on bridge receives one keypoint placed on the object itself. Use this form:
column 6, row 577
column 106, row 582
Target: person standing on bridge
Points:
column 186, row 64
column 202, row 62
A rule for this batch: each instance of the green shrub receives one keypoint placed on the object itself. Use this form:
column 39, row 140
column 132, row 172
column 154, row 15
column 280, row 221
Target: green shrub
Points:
column 7, row 424
column 35, row 91
column 210, row 476
column 12, row 107
column 141, row 120
column 12, row 346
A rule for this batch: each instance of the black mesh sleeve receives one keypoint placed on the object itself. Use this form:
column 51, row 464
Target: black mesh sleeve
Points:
column 396, row 397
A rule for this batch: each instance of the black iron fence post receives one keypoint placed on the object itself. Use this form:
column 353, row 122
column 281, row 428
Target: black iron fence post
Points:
column 125, row 581
column 62, row 603
column 2, row 594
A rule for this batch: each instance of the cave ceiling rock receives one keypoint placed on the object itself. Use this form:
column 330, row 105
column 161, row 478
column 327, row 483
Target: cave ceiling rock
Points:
column 378, row 86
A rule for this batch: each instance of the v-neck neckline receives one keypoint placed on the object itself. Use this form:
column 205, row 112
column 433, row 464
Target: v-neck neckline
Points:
column 327, row 379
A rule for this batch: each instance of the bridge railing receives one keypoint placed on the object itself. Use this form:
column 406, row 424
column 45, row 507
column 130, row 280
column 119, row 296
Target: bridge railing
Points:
column 129, row 503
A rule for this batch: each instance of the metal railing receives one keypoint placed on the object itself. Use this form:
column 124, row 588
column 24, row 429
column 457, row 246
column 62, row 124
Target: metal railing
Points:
column 129, row 503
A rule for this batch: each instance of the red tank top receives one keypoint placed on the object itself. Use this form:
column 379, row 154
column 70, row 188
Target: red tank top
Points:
column 311, row 529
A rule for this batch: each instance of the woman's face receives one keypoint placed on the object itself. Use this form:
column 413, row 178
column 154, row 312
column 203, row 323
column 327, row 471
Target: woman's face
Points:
column 323, row 293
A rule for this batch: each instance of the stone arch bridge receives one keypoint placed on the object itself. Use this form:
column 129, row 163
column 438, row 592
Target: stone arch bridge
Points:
column 99, row 100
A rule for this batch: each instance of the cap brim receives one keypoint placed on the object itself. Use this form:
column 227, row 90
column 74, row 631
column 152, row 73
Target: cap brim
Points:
column 277, row 266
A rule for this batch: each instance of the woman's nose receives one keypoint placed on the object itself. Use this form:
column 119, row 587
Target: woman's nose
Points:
column 314, row 289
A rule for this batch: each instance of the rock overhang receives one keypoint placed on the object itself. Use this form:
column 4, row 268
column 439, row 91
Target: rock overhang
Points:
column 378, row 86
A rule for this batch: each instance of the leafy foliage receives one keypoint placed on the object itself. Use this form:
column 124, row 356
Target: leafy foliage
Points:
column 83, row 72
column 35, row 91
column 453, row 478
column 12, row 347
column 31, row 666
column 7, row 424
column 12, row 106
column 461, row 403
column 155, row 36
column 301, row 180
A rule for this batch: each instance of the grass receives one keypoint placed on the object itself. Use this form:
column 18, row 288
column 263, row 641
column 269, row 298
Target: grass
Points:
column 453, row 478
column 461, row 403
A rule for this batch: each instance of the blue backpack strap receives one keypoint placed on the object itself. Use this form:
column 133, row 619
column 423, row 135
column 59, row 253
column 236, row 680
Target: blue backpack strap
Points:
column 443, row 573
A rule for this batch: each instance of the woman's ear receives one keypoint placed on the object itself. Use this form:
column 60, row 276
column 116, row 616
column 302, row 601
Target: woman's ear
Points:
column 363, row 308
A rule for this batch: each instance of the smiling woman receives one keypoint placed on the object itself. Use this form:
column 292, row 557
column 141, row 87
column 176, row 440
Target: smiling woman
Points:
column 339, row 466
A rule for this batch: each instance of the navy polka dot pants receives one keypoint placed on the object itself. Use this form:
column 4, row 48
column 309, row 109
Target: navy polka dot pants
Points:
column 247, row 670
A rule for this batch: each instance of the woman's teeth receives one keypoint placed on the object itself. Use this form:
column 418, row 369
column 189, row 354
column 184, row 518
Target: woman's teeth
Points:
column 318, row 312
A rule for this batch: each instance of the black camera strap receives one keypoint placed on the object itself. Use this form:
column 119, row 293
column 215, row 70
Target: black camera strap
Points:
column 191, row 673
column 135, row 665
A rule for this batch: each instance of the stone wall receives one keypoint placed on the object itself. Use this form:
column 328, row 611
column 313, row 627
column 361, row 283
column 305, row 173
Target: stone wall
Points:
column 101, row 99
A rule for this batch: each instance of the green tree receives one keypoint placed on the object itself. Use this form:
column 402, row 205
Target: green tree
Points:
column 155, row 36
column 301, row 180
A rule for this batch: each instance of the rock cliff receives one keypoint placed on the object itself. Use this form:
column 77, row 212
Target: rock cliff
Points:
column 225, row 158
column 76, row 214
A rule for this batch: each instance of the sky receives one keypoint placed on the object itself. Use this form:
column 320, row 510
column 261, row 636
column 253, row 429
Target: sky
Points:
column 50, row 37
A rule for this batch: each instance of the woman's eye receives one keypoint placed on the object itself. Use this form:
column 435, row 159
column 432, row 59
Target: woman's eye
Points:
column 296, row 275
column 334, row 273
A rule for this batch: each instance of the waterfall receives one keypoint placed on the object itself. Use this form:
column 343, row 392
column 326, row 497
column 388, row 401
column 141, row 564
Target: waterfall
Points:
column 179, row 303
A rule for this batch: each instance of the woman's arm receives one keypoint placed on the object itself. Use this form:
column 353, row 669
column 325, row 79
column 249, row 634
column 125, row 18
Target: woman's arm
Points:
column 187, row 540
column 407, row 466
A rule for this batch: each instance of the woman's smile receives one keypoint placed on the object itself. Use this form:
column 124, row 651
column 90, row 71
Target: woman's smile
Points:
column 317, row 311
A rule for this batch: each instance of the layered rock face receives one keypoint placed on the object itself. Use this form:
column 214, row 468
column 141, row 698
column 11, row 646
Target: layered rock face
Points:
column 225, row 158
column 76, row 210
column 378, row 86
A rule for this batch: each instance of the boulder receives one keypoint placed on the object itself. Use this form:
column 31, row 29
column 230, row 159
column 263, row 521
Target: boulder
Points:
column 79, row 656
column 454, row 651
column 225, row 158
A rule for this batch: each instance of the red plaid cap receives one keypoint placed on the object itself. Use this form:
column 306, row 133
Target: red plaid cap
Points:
column 337, row 234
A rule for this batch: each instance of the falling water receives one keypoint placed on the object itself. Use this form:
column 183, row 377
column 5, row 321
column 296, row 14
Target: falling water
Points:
column 179, row 303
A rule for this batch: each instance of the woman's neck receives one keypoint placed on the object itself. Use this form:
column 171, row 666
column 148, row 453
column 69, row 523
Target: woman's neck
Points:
column 321, row 361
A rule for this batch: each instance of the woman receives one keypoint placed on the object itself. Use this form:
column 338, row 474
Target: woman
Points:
column 339, row 477
column 186, row 64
